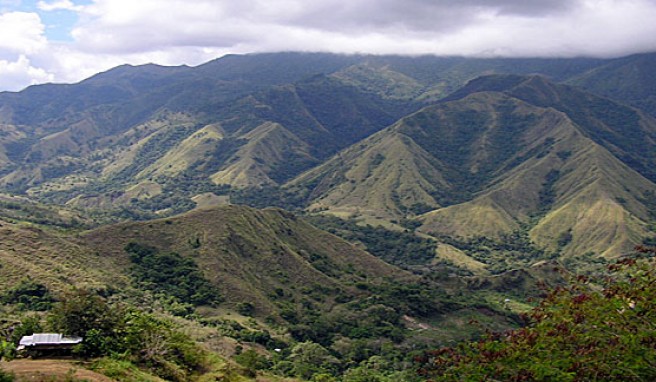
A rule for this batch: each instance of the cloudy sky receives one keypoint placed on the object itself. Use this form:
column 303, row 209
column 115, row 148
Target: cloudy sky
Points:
column 69, row 40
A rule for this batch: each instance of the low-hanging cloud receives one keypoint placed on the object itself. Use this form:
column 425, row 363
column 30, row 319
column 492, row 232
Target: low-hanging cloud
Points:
column 19, row 73
column 513, row 26
column 178, row 31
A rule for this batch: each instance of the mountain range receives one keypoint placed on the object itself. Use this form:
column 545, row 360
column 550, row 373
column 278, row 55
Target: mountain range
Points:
column 317, row 214
column 504, row 153
column 557, row 152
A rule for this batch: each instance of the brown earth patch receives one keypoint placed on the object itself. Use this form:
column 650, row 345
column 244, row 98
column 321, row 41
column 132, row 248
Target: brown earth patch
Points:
column 51, row 371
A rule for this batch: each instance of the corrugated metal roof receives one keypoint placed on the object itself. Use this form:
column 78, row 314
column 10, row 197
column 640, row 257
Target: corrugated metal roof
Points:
column 49, row 339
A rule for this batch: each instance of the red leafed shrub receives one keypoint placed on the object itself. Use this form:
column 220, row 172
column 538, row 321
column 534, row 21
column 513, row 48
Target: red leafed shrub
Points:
column 585, row 332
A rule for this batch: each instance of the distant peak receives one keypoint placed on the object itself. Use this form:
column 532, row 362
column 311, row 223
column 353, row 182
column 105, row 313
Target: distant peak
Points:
column 504, row 83
column 487, row 83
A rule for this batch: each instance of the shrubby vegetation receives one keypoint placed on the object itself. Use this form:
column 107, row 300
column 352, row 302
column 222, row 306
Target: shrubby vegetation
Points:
column 578, row 333
column 510, row 251
column 122, row 333
column 6, row 377
column 346, row 362
column 28, row 295
column 234, row 329
column 267, row 196
column 38, row 214
column 547, row 194
column 398, row 248
column 171, row 275
column 362, row 337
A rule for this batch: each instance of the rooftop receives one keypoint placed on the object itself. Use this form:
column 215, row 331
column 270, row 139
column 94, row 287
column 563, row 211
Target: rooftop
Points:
column 48, row 339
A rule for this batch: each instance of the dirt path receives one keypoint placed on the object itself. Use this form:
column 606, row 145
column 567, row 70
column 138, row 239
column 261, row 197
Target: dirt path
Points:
column 50, row 371
column 414, row 324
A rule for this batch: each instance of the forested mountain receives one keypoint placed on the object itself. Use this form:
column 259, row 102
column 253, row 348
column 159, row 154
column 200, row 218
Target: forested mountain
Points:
column 420, row 193
column 352, row 97
column 629, row 79
column 503, row 154
column 383, row 138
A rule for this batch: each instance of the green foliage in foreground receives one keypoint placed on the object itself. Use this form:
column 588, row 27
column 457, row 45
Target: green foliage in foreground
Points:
column 7, row 351
column 127, row 334
column 576, row 334
column 6, row 377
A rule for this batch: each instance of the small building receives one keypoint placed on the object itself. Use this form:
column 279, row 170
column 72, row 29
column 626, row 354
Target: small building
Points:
column 48, row 343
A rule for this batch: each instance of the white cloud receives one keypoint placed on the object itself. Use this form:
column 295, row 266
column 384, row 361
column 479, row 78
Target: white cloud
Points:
column 20, row 73
column 21, row 32
column 58, row 5
column 173, row 32
column 21, row 37
column 514, row 27
column 603, row 28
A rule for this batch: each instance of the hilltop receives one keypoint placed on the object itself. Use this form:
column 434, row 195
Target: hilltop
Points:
column 505, row 154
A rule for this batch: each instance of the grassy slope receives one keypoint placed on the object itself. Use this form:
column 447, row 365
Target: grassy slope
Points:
column 604, row 214
column 181, row 157
column 53, row 259
column 53, row 370
column 629, row 134
column 249, row 253
column 510, row 151
column 269, row 146
column 382, row 176
column 591, row 177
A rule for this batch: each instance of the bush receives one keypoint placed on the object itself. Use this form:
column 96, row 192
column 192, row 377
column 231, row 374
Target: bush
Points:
column 171, row 274
column 7, row 350
column 398, row 248
column 575, row 334
column 252, row 361
column 30, row 295
column 246, row 309
column 138, row 337
column 6, row 377
column 28, row 326
column 83, row 313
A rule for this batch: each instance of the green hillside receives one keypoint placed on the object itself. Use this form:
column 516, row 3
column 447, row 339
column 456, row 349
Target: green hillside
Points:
column 375, row 138
column 254, row 279
column 314, row 217
column 629, row 79
column 506, row 155
column 627, row 133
